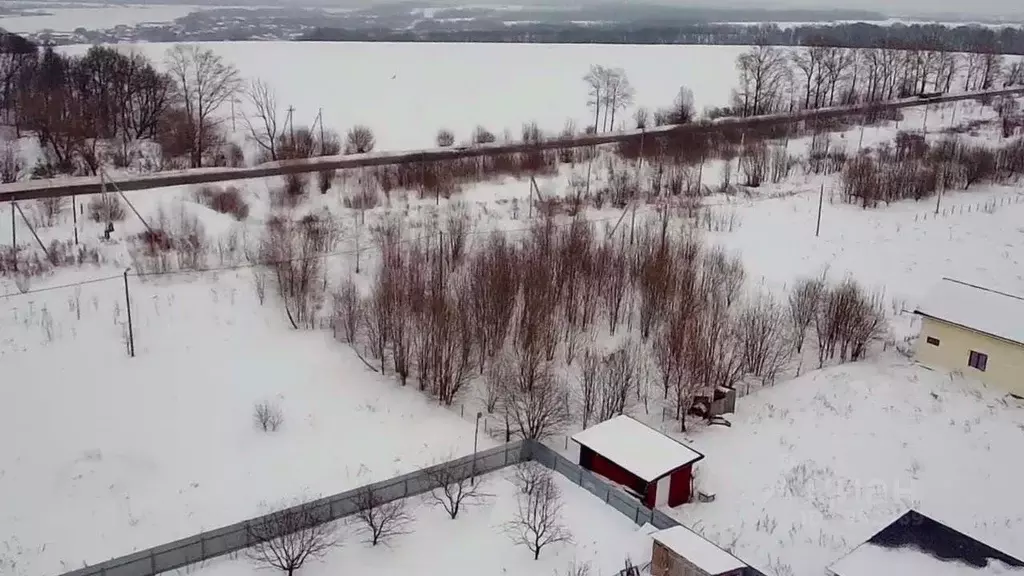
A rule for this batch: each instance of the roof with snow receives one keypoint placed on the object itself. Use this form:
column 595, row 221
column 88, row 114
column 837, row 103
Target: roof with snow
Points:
column 698, row 551
column 976, row 308
column 638, row 448
column 916, row 545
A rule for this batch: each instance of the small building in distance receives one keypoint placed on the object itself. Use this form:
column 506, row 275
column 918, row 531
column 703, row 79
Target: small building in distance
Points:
column 916, row 545
column 654, row 467
column 974, row 330
column 678, row 551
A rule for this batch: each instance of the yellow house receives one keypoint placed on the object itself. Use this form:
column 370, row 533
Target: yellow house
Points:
column 975, row 330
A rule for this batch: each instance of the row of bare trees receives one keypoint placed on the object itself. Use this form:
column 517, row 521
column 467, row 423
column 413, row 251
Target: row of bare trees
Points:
column 520, row 318
column 82, row 108
column 96, row 107
column 774, row 79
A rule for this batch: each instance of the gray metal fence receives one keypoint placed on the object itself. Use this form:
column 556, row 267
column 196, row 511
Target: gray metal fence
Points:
column 232, row 538
column 236, row 537
column 614, row 497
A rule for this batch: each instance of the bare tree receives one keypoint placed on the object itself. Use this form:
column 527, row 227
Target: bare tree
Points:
column 262, row 124
column 618, row 93
column 205, row 82
column 267, row 417
column 763, row 70
column 286, row 539
column 346, row 311
column 597, row 83
column 682, row 110
column 528, row 476
column 10, row 162
column 456, row 488
column 445, row 138
column 803, row 307
column 535, row 400
column 765, row 338
column 381, row 519
column 538, row 519
column 359, row 140
column 589, row 375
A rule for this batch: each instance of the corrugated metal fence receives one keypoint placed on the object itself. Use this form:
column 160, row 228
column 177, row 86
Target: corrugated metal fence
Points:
column 232, row 538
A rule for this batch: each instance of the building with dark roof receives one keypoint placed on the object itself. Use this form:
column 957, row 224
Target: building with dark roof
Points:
column 916, row 545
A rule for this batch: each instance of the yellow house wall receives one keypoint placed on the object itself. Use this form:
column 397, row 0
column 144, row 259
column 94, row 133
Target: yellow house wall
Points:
column 1005, row 367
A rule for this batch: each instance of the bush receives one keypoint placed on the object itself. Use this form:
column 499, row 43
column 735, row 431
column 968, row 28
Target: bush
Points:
column 224, row 200
column 359, row 140
column 294, row 144
column 532, row 133
column 482, row 135
column 267, row 416
column 106, row 208
column 10, row 163
column 445, row 138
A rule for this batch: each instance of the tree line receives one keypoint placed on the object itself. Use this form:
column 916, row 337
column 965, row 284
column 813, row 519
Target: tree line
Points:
column 88, row 109
column 1006, row 40
column 773, row 79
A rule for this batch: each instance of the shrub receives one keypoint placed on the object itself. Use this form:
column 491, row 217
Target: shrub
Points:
column 482, row 135
column 267, row 416
column 445, row 138
column 106, row 208
column 224, row 200
column 359, row 140
column 294, row 144
column 532, row 133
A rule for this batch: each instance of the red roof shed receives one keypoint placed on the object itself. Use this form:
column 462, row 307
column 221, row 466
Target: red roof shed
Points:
column 656, row 467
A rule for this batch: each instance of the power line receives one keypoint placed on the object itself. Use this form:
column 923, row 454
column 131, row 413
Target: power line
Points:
column 60, row 287
column 249, row 265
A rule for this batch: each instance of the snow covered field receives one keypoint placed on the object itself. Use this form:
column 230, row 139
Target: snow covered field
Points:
column 407, row 92
column 108, row 454
column 477, row 543
column 813, row 467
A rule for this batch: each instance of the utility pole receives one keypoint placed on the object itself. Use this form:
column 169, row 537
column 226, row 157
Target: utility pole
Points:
column 291, row 123
column 74, row 215
column 232, row 113
column 14, row 237
column 320, row 120
column 128, row 302
column 821, row 201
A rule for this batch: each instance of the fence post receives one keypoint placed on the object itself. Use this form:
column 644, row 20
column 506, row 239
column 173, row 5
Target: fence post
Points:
column 405, row 486
column 152, row 563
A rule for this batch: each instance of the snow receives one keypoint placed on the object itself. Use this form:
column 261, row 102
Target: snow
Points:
column 977, row 308
column 872, row 560
column 812, row 467
column 636, row 447
column 406, row 92
column 477, row 541
column 109, row 454
column 698, row 551
column 905, row 248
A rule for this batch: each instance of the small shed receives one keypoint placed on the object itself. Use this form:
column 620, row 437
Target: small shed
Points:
column 656, row 467
column 975, row 330
column 678, row 551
